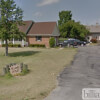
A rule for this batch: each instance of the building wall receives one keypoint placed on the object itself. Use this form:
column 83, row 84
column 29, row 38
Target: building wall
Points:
column 32, row 40
column 94, row 35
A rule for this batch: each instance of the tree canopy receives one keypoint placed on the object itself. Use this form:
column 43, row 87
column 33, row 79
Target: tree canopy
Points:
column 64, row 16
column 11, row 17
column 71, row 29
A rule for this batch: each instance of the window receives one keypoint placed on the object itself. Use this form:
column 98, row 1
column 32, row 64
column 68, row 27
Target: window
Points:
column 38, row 38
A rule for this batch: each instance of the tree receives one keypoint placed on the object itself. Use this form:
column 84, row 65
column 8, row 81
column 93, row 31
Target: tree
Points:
column 69, row 28
column 65, row 29
column 73, row 29
column 64, row 16
column 11, row 17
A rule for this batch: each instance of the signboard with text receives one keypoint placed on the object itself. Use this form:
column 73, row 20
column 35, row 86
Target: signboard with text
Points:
column 15, row 69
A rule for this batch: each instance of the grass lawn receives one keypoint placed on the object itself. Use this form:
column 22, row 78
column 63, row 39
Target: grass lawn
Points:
column 44, row 65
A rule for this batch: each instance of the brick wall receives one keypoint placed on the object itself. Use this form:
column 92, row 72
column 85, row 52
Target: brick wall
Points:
column 45, row 41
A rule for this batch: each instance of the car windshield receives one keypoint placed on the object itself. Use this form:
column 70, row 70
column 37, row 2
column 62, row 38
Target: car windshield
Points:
column 65, row 40
column 77, row 40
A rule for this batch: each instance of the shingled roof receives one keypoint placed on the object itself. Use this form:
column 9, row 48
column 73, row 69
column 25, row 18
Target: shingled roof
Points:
column 26, row 27
column 94, row 28
column 42, row 28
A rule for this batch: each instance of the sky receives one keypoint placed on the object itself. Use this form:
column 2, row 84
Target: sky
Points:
column 85, row 11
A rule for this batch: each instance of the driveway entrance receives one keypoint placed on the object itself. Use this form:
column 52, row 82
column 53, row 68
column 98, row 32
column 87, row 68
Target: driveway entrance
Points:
column 84, row 72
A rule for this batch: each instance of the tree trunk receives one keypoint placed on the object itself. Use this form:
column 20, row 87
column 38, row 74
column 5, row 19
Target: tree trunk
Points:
column 6, row 48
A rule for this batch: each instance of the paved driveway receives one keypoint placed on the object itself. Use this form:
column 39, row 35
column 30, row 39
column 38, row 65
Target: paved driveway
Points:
column 83, row 73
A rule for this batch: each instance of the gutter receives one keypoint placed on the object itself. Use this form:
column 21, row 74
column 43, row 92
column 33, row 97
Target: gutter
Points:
column 41, row 35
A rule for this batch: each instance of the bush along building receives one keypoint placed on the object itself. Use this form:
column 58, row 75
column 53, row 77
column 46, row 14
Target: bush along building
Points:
column 37, row 34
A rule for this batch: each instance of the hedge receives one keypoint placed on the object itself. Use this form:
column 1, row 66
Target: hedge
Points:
column 12, row 45
column 36, row 45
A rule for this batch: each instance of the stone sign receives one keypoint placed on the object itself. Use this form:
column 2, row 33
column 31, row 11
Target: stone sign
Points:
column 15, row 69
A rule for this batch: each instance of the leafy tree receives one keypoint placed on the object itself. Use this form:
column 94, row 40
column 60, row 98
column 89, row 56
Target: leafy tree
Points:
column 69, row 28
column 11, row 17
column 64, row 16
column 65, row 29
column 73, row 29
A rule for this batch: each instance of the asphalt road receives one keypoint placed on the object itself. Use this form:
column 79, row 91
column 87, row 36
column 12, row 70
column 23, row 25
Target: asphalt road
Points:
column 84, row 72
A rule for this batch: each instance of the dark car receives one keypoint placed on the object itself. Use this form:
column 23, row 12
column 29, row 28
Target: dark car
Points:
column 81, row 43
column 69, row 43
column 60, row 43
column 74, row 42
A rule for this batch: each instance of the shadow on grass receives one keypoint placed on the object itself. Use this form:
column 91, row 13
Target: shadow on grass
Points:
column 23, row 53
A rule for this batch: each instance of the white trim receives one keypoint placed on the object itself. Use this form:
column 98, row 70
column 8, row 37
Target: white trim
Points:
column 13, row 41
column 23, row 43
column 0, row 43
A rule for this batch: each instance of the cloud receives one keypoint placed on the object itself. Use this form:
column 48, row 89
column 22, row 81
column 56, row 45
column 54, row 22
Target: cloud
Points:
column 37, row 14
column 47, row 2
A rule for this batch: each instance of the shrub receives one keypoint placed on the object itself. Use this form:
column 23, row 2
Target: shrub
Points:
column 16, row 45
column 3, row 45
column 94, row 40
column 8, row 76
column 25, row 70
column 36, row 45
column 52, row 42
column 12, row 45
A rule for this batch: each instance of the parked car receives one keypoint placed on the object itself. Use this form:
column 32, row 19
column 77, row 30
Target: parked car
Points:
column 69, row 43
column 60, row 43
column 81, row 43
column 74, row 42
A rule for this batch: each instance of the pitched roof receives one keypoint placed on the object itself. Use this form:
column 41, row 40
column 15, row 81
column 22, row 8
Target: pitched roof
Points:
column 94, row 28
column 25, row 28
column 42, row 28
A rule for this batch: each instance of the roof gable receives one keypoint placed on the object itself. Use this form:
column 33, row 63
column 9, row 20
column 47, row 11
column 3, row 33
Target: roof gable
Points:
column 25, row 28
column 94, row 28
column 42, row 28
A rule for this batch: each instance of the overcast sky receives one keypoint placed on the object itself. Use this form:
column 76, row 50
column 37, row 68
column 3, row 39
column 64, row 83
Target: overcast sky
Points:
column 85, row 11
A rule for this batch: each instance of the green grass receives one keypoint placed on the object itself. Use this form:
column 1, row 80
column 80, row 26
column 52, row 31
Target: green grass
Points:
column 8, row 76
column 44, row 66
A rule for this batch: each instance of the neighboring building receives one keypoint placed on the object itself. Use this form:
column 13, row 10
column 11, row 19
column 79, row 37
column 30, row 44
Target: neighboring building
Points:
column 38, row 33
column 94, row 32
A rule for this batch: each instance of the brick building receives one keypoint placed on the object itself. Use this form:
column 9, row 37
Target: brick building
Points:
column 38, row 33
